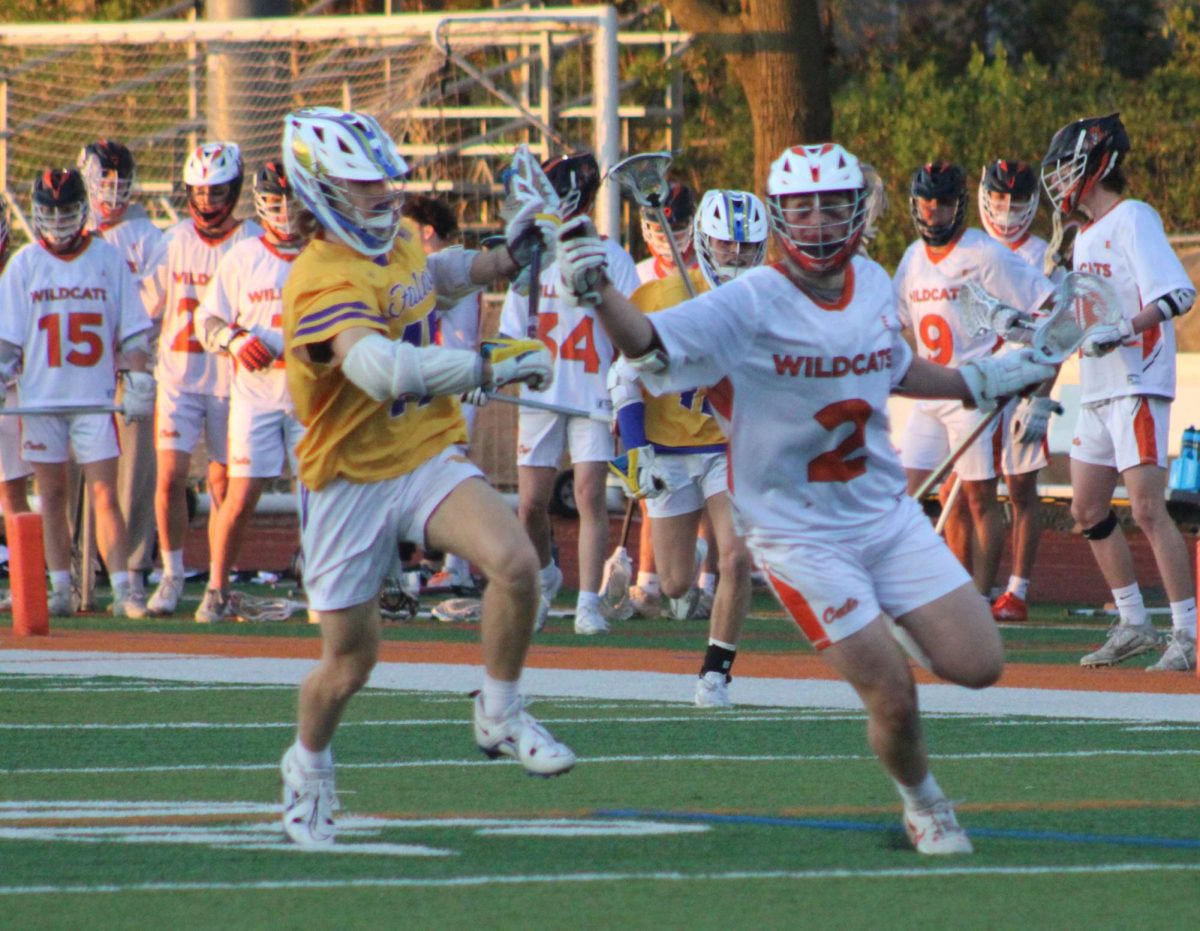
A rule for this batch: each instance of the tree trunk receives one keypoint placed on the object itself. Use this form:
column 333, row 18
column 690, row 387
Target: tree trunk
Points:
column 776, row 49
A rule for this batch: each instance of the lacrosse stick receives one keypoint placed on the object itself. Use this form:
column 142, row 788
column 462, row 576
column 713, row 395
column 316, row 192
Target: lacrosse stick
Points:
column 644, row 178
column 458, row 610
column 1081, row 303
column 254, row 610
column 553, row 408
column 62, row 411
column 522, row 180
column 940, row 527
column 618, row 573
column 983, row 313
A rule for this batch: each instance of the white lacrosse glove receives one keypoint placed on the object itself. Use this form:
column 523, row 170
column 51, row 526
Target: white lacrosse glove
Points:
column 1032, row 419
column 532, row 225
column 477, row 396
column 581, row 260
column 635, row 469
column 526, row 360
column 1105, row 337
column 138, row 396
column 1003, row 376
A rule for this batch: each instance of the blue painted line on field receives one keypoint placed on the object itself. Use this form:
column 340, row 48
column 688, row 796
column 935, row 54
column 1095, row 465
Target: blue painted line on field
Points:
column 825, row 824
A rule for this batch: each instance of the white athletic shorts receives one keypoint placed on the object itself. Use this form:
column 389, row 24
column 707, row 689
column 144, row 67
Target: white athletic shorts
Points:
column 833, row 586
column 12, row 463
column 542, row 437
column 92, row 437
column 938, row 427
column 261, row 441
column 1123, row 433
column 349, row 531
column 1020, row 458
column 180, row 415
column 691, row 479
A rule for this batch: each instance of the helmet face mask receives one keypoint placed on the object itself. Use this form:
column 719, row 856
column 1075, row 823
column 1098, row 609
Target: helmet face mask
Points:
column 275, row 203
column 679, row 208
column 108, row 171
column 817, row 203
column 1081, row 155
column 947, row 185
column 60, row 210
column 1008, row 199
column 346, row 171
column 731, row 231
column 212, row 177
column 576, row 179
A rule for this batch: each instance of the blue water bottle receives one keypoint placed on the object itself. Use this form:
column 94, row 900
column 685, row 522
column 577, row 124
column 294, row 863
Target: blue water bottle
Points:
column 1185, row 471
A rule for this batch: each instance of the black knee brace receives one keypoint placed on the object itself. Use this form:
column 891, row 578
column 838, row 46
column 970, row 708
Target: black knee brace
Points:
column 1102, row 530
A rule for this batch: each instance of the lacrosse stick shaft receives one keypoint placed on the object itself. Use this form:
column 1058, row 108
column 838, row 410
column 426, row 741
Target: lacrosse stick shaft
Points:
column 956, row 489
column 948, row 463
column 535, row 291
column 61, row 411
column 679, row 266
column 552, row 408
column 627, row 522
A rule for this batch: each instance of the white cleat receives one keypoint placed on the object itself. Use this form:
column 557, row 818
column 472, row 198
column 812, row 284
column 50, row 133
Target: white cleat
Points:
column 215, row 606
column 128, row 603
column 712, row 691
column 590, row 621
column 518, row 734
column 309, row 801
column 61, row 603
column 166, row 596
column 685, row 608
column 546, row 599
column 935, row 831
column 1179, row 657
column 1124, row 642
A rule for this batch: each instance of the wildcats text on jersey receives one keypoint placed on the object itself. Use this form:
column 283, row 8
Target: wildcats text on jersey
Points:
column 199, row 279
column 836, row 367
column 920, row 295
column 77, row 293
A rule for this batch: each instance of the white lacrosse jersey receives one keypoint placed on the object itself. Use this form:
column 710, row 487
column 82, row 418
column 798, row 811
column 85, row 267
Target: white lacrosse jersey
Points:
column 247, row 290
column 458, row 327
column 801, row 391
column 135, row 237
column 927, row 291
column 1128, row 248
column 69, row 316
column 581, row 349
column 173, row 284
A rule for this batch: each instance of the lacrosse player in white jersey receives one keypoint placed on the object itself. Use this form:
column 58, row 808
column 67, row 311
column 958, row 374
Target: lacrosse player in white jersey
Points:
column 1008, row 202
column 932, row 272
column 193, row 385
column 14, row 470
column 676, row 454
column 108, row 171
column 801, row 357
column 71, row 317
column 241, row 316
column 582, row 355
column 1127, row 377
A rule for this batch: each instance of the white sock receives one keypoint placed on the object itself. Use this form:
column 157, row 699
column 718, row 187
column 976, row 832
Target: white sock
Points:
column 498, row 695
column 922, row 796
column 1018, row 586
column 588, row 600
column 310, row 760
column 60, row 580
column 649, row 583
column 707, row 582
column 119, row 580
column 1183, row 617
column 547, row 574
column 173, row 563
column 1130, row 605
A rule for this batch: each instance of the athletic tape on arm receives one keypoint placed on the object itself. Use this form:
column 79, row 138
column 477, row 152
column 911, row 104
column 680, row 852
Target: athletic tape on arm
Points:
column 385, row 369
column 1175, row 303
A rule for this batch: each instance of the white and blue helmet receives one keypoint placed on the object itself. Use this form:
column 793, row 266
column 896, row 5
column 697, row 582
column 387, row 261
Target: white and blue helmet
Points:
column 323, row 150
column 730, row 217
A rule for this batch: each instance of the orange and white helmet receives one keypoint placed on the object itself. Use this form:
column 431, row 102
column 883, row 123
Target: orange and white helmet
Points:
column 214, row 164
column 817, row 200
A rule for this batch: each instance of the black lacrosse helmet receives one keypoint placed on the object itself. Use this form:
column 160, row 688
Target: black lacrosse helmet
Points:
column 947, row 184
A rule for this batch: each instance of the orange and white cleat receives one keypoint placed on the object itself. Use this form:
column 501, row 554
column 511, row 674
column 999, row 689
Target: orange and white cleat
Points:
column 1008, row 607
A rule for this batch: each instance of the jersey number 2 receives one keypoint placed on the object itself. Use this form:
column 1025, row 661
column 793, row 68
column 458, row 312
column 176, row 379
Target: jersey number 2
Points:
column 835, row 465
column 185, row 339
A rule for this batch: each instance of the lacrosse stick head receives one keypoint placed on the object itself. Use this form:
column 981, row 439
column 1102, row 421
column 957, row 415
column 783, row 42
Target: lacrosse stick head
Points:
column 1081, row 302
column 255, row 610
column 524, row 179
column 982, row 312
column 643, row 177
column 614, row 586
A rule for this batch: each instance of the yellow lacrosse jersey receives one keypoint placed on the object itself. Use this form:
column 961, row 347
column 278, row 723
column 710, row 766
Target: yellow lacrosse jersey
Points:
column 678, row 421
column 332, row 288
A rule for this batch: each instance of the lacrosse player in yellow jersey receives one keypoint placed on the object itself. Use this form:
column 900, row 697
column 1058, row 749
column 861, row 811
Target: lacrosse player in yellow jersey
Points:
column 676, row 453
column 379, row 462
